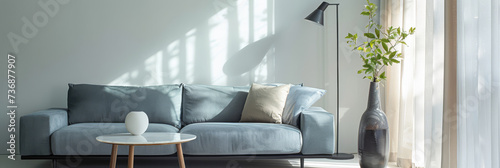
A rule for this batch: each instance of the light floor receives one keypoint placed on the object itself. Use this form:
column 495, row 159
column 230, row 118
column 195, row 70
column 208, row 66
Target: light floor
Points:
column 172, row 163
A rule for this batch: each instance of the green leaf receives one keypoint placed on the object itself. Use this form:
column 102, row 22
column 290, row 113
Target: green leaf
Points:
column 369, row 35
column 367, row 71
column 392, row 55
column 382, row 76
column 365, row 13
column 348, row 36
column 377, row 32
column 395, row 61
column 402, row 42
column 360, row 71
column 368, row 7
column 371, row 25
column 369, row 68
column 385, row 47
column 404, row 35
column 385, row 40
column 386, row 61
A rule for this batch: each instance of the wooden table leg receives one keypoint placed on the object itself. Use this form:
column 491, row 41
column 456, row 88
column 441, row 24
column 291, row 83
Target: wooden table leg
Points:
column 180, row 156
column 114, row 151
column 131, row 156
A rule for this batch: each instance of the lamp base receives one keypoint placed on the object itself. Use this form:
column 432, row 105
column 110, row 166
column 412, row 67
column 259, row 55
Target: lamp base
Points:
column 342, row 156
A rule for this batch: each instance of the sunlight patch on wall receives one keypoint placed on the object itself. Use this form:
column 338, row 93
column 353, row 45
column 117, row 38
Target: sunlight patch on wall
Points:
column 218, row 43
column 154, row 69
column 263, row 26
column 260, row 19
column 243, row 22
column 253, row 22
column 173, row 54
column 199, row 54
column 173, row 65
column 151, row 74
column 190, row 53
column 261, row 71
column 125, row 79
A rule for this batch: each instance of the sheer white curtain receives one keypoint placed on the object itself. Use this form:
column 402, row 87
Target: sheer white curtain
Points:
column 478, row 83
column 414, row 90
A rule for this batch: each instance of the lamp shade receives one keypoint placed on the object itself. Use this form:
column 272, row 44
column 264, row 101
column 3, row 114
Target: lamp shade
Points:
column 317, row 15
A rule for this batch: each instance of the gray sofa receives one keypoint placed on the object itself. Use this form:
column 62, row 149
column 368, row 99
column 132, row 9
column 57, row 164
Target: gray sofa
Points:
column 212, row 113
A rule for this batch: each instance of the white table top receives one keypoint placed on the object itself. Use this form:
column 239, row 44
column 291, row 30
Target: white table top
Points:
column 148, row 138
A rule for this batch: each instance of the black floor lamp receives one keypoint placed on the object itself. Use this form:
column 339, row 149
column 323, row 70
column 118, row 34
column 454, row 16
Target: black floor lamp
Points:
column 317, row 17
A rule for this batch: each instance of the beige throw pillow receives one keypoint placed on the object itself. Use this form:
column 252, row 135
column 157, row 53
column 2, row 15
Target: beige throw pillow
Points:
column 265, row 103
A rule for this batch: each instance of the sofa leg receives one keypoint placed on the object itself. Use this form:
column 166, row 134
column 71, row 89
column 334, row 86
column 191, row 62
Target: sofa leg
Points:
column 301, row 162
column 54, row 163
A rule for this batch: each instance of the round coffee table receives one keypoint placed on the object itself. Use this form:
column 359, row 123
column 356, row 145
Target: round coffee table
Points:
column 148, row 138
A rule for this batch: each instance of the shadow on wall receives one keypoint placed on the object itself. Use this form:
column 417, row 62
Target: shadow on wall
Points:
column 211, row 51
column 249, row 57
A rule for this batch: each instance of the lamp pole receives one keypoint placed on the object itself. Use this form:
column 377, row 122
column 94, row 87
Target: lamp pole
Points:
column 317, row 17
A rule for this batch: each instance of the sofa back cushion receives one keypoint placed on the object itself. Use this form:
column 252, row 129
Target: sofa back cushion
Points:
column 100, row 103
column 299, row 99
column 207, row 103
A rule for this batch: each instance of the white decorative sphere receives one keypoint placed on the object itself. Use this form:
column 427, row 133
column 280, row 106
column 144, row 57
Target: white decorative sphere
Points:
column 137, row 122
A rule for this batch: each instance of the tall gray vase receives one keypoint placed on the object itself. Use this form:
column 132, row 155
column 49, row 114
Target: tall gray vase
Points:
column 373, row 135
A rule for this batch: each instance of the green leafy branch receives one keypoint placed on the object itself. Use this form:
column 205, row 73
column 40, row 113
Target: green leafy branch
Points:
column 380, row 48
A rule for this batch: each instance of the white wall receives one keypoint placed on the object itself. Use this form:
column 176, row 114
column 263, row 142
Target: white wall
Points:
column 125, row 42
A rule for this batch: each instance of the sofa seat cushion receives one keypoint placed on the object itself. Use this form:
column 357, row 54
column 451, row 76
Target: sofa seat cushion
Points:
column 242, row 139
column 80, row 139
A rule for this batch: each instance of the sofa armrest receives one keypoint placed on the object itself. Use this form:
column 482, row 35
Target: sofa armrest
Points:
column 36, row 128
column 318, row 133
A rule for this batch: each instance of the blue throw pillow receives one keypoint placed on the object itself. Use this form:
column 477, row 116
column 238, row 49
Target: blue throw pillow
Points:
column 299, row 99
